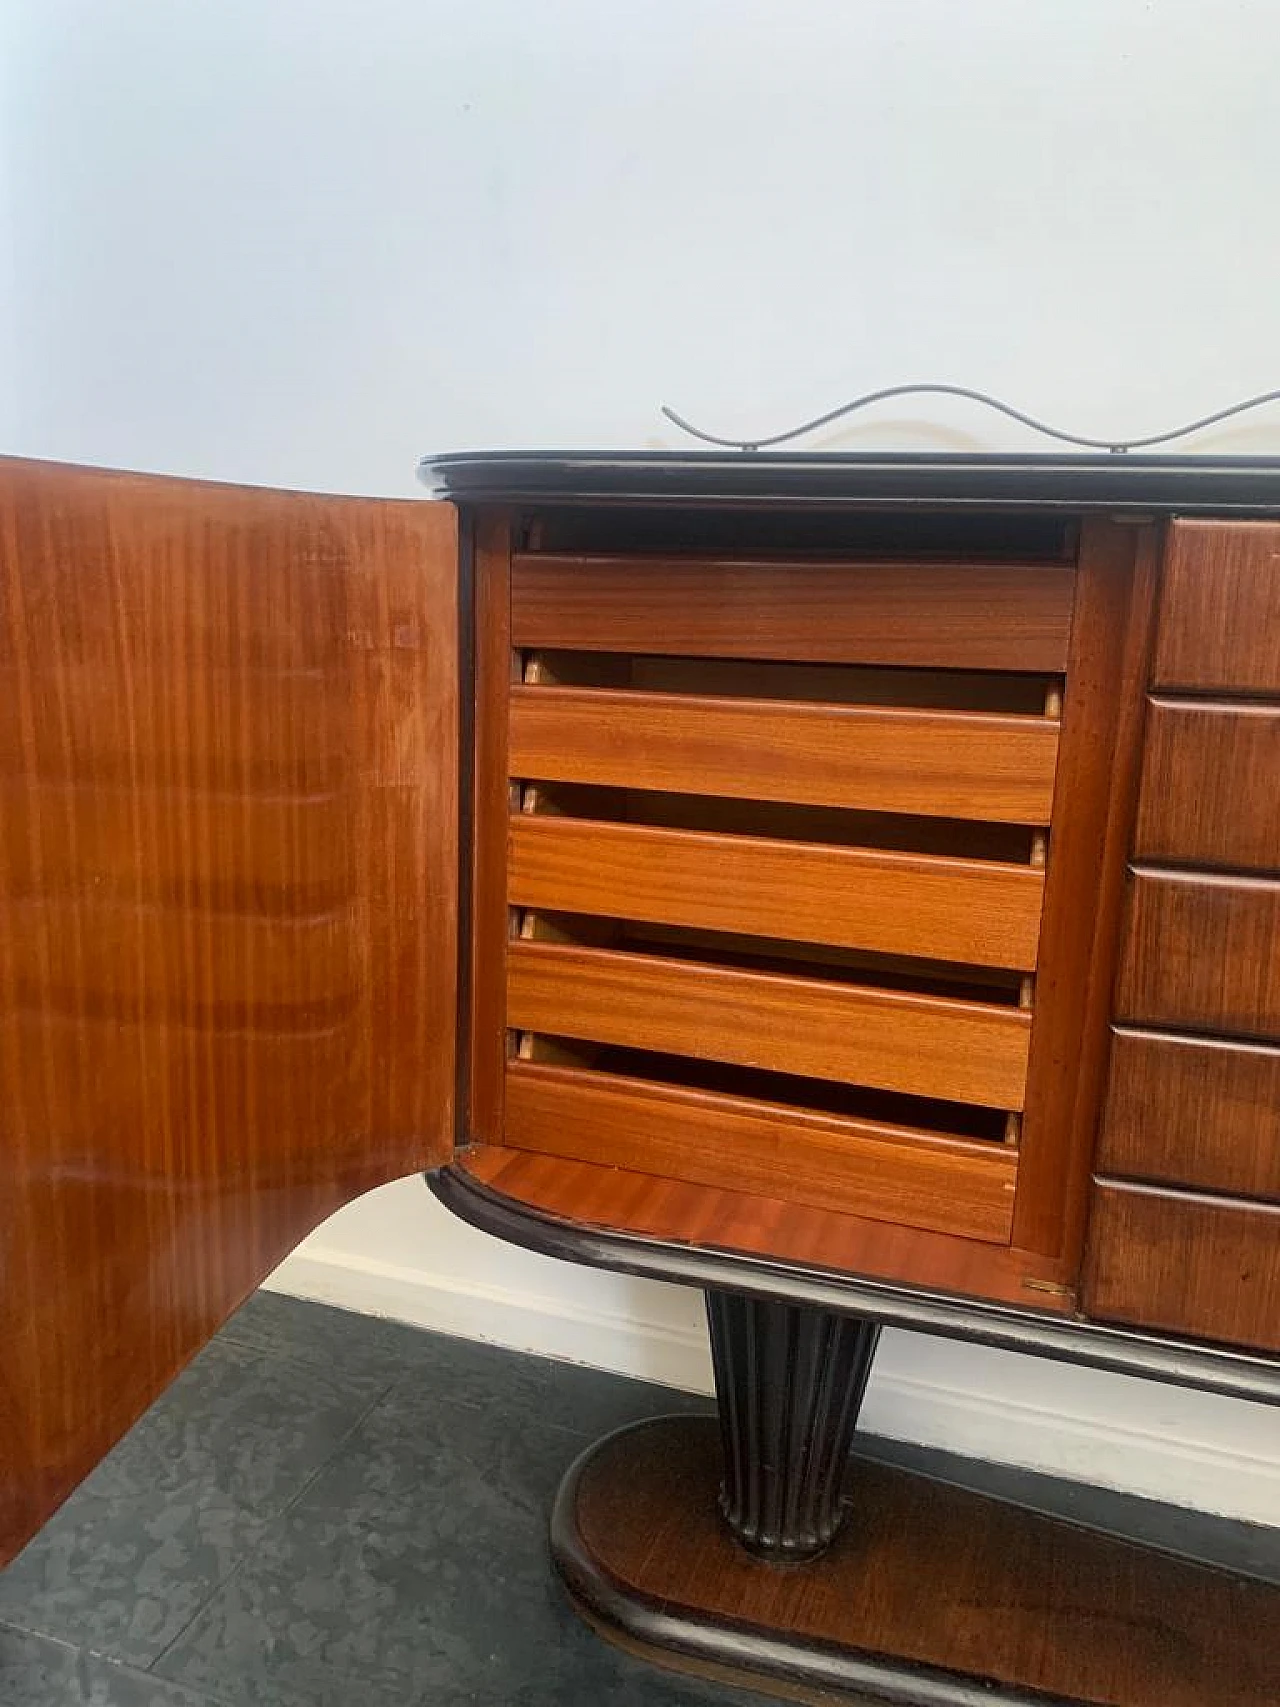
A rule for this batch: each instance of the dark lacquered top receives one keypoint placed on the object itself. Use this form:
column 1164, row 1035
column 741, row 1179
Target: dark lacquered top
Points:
column 1186, row 485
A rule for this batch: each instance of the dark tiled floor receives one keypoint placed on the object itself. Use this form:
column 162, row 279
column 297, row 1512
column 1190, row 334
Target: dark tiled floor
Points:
column 332, row 1511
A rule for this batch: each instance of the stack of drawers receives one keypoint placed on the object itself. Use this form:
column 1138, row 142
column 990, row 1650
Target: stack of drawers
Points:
column 1185, row 1233
column 775, row 863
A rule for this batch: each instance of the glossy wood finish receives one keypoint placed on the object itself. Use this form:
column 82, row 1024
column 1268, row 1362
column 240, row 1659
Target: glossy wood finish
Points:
column 722, row 1218
column 228, row 873
column 1220, row 612
column 975, row 911
column 1204, row 1266
column 492, row 799
column 926, row 1046
column 1088, row 848
column 937, row 763
column 1001, row 616
column 1211, row 784
column 863, row 1167
column 931, row 1595
column 1193, row 1111
column 1202, row 952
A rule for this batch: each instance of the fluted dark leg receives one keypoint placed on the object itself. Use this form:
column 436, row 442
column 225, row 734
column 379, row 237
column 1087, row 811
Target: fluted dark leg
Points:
column 790, row 1383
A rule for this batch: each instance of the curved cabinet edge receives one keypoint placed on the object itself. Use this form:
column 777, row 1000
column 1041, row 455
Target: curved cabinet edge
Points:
column 1236, row 1374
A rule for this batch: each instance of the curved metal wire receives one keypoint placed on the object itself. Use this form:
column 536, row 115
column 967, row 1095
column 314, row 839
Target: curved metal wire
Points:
column 1117, row 447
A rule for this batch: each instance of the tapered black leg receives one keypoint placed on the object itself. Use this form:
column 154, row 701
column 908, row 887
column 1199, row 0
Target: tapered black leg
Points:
column 790, row 1383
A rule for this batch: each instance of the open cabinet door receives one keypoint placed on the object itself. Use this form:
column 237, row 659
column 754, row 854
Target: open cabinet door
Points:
column 228, row 916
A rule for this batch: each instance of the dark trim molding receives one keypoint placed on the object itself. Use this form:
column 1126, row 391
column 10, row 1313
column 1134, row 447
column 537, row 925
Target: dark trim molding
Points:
column 1188, row 485
column 1237, row 1374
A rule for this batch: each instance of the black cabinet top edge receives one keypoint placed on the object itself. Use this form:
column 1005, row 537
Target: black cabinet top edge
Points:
column 1186, row 485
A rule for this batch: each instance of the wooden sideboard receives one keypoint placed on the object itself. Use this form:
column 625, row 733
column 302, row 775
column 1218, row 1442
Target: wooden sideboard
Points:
column 850, row 885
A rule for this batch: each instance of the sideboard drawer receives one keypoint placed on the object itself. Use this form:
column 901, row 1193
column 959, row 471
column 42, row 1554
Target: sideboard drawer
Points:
column 771, row 836
column 1220, row 611
column 1203, row 952
column 1204, row 1266
column 1211, row 785
column 1193, row 1111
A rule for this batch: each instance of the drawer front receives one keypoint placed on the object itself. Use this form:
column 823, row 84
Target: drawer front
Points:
column 1202, row 952
column 1193, row 1111
column 1220, row 611
column 777, row 868
column 1201, row 1266
column 994, row 616
column 1211, row 785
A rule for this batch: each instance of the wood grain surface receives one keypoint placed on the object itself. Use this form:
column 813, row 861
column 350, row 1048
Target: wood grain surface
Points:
column 1193, row 1111
column 981, row 616
column 1204, row 1266
column 1220, row 610
column 928, row 1046
column 1094, row 799
column 589, row 1194
column 1202, row 951
column 948, row 764
column 926, row 1573
column 865, row 1167
column 1211, row 785
column 975, row 911
column 491, row 801
column 228, row 857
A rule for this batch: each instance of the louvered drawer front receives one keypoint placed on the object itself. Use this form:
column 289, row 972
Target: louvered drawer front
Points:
column 776, row 865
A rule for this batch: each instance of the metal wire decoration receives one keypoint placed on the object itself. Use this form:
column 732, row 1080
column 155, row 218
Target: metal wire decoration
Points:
column 1117, row 447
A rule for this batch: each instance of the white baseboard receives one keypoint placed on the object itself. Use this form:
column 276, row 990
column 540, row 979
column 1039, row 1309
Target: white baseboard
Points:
column 1189, row 1449
column 559, row 1327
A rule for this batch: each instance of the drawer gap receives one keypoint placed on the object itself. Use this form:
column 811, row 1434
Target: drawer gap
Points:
column 834, row 826
column 772, row 679
column 923, row 1117
column 769, row 954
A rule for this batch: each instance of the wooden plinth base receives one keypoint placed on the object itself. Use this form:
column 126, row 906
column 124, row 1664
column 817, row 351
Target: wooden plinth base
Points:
column 930, row 1595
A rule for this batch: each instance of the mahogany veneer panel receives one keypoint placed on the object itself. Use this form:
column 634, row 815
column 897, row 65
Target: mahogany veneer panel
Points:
column 1203, row 952
column 627, row 1200
column 925, row 1046
column 252, row 728
column 228, row 858
column 1193, row 1111
column 1204, row 1266
column 944, row 764
column 980, row 616
column 493, row 795
column 923, row 1574
column 975, row 911
column 1220, row 610
column 1211, row 785
column 827, row 1161
column 1089, row 843
column 272, row 854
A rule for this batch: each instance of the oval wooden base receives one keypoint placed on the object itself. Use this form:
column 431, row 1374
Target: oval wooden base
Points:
column 930, row 1596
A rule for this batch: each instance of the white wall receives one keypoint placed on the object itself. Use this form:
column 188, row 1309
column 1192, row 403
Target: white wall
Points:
column 301, row 242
